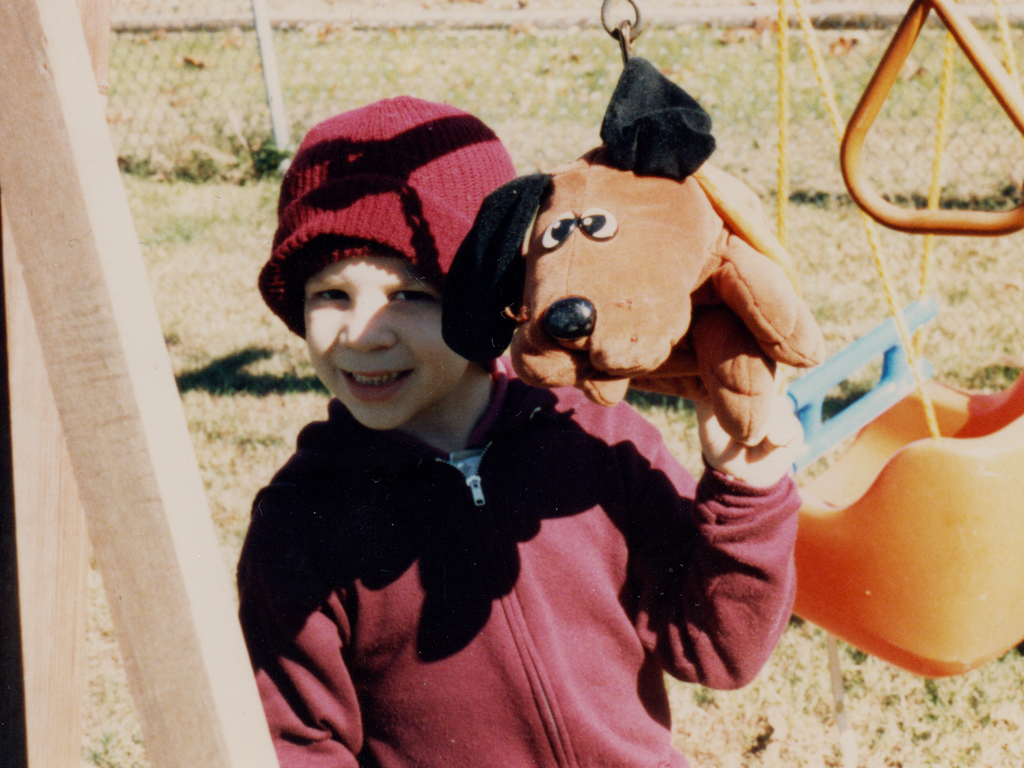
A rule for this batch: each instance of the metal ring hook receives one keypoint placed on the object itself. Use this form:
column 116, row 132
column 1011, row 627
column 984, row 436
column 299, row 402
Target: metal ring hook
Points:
column 626, row 32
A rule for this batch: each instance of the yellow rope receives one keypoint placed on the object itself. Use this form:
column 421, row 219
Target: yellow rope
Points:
column 783, row 196
column 782, row 377
column 828, row 94
column 934, row 191
column 1009, row 57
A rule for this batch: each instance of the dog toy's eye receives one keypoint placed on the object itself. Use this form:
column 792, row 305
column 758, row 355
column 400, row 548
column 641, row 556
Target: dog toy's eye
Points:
column 559, row 230
column 598, row 224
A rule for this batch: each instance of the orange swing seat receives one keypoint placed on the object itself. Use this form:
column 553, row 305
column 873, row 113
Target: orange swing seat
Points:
column 912, row 548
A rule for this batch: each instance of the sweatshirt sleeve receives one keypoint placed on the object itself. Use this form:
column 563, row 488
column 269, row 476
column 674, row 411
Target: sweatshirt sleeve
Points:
column 716, row 582
column 296, row 631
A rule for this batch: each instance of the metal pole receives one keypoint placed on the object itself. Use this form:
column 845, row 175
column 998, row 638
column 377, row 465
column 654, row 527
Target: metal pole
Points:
column 275, row 100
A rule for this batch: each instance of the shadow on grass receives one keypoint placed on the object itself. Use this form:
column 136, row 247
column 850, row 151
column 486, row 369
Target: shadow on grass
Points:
column 993, row 378
column 843, row 396
column 1009, row 196
column 227, row 376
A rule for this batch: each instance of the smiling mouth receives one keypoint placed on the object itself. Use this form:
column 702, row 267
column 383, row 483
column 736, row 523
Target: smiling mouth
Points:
column 375, row 379
column 375, row 387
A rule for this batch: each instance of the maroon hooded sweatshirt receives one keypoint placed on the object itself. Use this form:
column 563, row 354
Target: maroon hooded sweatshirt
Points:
column 513, row 606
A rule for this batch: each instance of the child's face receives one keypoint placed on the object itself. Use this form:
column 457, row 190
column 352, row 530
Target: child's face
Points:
column 373, row 331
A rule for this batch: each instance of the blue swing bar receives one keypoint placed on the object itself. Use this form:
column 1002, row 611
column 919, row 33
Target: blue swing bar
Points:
column 808, row 392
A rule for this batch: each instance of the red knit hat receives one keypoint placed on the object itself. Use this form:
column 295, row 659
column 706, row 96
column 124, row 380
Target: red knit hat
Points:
column 401, row 176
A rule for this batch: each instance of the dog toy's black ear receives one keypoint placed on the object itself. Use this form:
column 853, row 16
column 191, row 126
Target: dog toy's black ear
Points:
column 653, row 127
column 488, row 271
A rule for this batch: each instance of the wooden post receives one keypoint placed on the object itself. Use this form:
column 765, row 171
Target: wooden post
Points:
column 13, row 746
column 51, row 542
column 95, row 15
column 117, row 401
column 51, row 535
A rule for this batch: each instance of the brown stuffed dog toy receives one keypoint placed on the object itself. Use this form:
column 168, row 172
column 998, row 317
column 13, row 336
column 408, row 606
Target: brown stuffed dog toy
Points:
column 616, row 270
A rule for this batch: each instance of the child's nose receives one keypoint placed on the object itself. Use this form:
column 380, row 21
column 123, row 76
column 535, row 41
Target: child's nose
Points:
column 368, row 329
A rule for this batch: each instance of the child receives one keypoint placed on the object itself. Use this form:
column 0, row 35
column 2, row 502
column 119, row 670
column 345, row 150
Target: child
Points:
column 456, row 569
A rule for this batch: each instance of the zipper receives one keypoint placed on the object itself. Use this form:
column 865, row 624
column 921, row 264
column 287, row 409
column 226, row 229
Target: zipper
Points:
column 468, row 464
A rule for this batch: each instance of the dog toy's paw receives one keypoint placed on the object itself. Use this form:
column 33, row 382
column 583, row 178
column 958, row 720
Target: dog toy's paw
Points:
column 738, row 375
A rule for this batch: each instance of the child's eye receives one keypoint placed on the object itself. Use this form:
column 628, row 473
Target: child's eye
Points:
column 414, row 295
column 331, row 294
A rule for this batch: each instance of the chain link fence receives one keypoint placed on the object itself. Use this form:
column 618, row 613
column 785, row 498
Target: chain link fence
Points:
column 192, row 104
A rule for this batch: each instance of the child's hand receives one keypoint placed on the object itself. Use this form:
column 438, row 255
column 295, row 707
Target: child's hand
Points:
column 760, row 465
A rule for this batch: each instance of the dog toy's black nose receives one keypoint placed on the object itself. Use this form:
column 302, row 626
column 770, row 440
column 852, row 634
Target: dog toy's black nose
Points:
column 571, row 318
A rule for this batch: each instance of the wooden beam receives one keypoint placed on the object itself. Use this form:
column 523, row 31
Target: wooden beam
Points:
column 95, row 15
column 115, row 393
column 51, row 537
column 51, row 540
column 13, row 746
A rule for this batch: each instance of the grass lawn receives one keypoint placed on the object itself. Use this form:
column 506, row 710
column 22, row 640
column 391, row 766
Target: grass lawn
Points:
column 247, row 388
